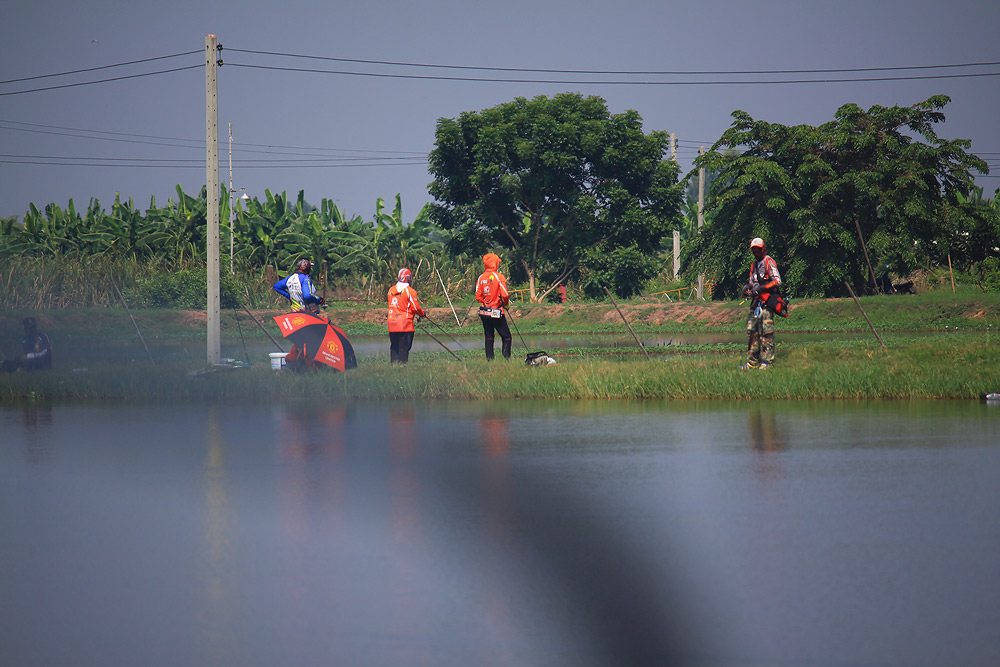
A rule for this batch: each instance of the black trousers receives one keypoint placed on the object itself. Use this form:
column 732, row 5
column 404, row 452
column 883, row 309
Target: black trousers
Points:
column 400, row 343
column 498, row 325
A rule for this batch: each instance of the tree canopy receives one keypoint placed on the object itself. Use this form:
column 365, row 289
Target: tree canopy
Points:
column 879, row 181
column 560, row 184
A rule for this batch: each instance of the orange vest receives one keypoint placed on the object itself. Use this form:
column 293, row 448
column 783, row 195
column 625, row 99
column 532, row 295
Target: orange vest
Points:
column 403, row 305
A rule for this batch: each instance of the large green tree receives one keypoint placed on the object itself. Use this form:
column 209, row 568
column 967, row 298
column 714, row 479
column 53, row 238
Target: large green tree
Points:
column 560, row 184
column 879, row 181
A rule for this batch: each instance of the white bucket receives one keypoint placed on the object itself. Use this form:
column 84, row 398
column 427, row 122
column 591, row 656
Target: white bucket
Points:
column 277, row 360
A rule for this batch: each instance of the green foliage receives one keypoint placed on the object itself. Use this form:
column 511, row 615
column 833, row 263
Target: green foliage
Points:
column 168, row 238
column 624, row 270
column 555, row 182
column 809, row 190
column 986, row 274
column 184, row 289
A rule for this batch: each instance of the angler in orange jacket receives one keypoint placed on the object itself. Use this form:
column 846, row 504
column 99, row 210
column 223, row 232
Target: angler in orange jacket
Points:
column 491, row 293
column 403, row 306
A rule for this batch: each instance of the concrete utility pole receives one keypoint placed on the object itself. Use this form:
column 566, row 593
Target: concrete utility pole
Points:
column 212, row 314
column 701, row 216
column 232, row 213
column 677, row 234
column 677, row 253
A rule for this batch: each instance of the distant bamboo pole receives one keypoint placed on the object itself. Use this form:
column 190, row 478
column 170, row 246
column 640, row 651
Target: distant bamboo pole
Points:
column 951, row 274
column 448, row 297
column 864, row 314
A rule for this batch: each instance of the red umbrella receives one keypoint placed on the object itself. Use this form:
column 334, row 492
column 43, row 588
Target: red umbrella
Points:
column 317, row 340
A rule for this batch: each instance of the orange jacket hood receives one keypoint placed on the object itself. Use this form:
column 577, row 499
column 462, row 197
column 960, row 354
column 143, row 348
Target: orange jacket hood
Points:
column 491, row 261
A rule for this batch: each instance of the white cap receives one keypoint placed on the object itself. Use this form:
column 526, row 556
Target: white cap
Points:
column 757, row 242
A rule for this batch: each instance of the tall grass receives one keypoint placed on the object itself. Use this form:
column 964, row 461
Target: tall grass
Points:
column 939, row 369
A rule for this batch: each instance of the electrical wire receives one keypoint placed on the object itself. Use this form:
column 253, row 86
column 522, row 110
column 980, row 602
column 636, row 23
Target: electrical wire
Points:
column 198, row 143
column 91, row 83
column 610, row 72
column 153, row 163
column 427, row 77
column 94, row 69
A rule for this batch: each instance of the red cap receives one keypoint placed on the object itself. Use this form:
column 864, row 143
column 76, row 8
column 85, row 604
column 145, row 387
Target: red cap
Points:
column 404, row 276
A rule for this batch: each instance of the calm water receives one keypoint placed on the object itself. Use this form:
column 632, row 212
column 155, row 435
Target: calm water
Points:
column 809, row 533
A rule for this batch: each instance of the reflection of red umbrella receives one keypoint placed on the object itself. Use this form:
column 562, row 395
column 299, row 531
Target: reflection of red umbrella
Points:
column 317, row 340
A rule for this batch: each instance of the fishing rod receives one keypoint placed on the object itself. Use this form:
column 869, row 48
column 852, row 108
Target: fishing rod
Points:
column 239, row 327
column 466, row 317
column 511, row 318
column 438, row 341
column 434, row 322
column 262, row 327
column 122, row 297
column 641, row 346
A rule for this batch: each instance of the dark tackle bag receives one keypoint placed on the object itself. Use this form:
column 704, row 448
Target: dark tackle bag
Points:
column 777, row 304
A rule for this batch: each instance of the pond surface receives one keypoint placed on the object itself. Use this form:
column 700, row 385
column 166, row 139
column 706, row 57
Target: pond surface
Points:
column 516, row 533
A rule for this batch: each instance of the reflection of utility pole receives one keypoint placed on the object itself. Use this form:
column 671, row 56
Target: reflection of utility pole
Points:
column 212, row 315
column 701, row 216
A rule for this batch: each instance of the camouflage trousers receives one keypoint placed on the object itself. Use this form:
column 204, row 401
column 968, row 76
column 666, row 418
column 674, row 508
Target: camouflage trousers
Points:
column 760, row 336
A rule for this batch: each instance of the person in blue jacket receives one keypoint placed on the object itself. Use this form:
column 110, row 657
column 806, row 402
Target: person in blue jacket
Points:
column 298, row 288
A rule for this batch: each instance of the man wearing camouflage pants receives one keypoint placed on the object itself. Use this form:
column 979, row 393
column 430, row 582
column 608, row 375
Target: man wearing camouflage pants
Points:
column 764, row 279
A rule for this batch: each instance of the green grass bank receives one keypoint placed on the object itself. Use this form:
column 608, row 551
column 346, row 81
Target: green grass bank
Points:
column 937, row 346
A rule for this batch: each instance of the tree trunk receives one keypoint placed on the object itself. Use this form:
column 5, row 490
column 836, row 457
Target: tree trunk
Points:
column 532, row 295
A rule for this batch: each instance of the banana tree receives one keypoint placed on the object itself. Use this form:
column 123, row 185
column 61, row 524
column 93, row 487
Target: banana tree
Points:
column 178, row 229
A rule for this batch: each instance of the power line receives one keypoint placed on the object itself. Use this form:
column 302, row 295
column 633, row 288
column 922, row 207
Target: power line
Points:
column 388, row 155
column 344, row 159
column 79, row 129
column 90, row 83
column 195, row 164
column 613, row 82
column 94, row 69
column 199, row 143
column 619, row 72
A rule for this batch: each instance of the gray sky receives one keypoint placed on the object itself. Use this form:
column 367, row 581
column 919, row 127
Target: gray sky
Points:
column 162, row 117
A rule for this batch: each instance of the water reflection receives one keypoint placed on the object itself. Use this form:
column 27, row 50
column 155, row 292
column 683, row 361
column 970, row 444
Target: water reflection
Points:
column 37, row 418
column 765, row 435
column 508, row 533
column 220, row 602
